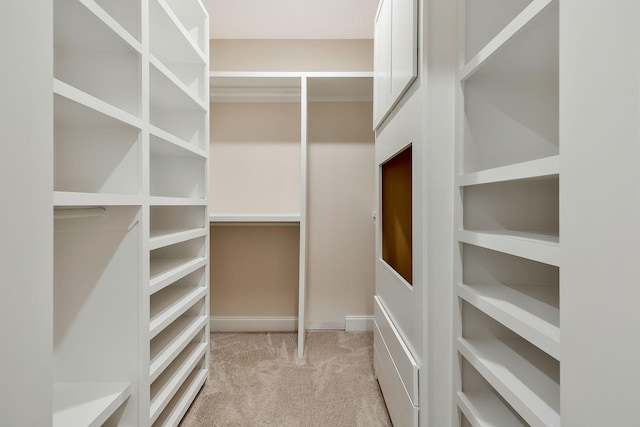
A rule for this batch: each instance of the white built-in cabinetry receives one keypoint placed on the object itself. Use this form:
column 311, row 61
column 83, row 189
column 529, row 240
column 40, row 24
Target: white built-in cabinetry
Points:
column 130, row 194
column 395, row 53
column 507, row 327
column 260, row 175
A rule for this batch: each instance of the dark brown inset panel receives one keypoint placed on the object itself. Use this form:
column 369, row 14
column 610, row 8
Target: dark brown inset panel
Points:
column 396, row 214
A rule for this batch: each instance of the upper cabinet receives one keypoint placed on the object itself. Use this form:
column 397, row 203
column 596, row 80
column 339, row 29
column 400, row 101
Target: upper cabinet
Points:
column 395, row 54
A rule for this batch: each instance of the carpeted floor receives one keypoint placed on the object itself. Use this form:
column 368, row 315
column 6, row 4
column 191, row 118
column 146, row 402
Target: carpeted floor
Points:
column 257, row 380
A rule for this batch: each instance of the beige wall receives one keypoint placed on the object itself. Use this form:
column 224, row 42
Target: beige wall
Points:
column 254, row 270
column 291, row 55
column 255, row 158
column 341, row 239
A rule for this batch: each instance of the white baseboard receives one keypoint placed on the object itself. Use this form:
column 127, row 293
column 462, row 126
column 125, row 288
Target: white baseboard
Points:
column 285, row 324
column 358, row 323
column 253, row 324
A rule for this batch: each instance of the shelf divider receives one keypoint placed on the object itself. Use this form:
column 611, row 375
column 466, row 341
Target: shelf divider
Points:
column 538, row 247
column 547, row 166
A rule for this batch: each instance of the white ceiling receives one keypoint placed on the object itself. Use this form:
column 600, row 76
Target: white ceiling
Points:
column 291, row 19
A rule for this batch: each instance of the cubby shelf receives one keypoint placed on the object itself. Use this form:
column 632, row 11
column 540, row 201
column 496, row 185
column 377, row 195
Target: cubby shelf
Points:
column 174, row 40
column 165, row 387
column 486, row 409
column 70, row 113
column 167, row 345
column 162, row 238
column 94, row 36
column 87, row 404
column 528, row 390
column 171, row 303
column 165, row 271
column 523, row 21
column 533, row 169
column 174, row 140
column 538, row 247
column 169, row 92
column 534, row 320
column 177, row 407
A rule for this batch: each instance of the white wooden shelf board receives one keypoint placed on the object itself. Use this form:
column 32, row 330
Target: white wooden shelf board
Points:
column 253, row 218
column 67, row 198
column 178, row 406
column 298, row 74
column 168, row 32
column 537, row 322
column 534, row 395
column 171, row 304
column 107, row 34
column 485, row 409
column 167, row 345
column 506, row 36
column 87, row 404
column 540, row 168
column 162, row 238
column 165, row 144
column 176, row 201
column 168, row 92
column 538, row 247
column 165, row 271
column 67, row 112
column 164, row 388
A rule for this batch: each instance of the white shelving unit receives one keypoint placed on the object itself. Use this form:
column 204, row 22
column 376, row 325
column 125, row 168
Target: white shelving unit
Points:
column 131, row 234
column 259, row 89
column 507, row 213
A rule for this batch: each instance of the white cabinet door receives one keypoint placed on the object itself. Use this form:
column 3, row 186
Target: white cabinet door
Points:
column 382, row 62
column 404, row 46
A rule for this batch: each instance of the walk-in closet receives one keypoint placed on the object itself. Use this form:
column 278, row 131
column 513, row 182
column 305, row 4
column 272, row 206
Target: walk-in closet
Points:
column 362, row 213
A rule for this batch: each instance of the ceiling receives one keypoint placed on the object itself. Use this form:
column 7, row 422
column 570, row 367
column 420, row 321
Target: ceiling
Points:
column 291, row 19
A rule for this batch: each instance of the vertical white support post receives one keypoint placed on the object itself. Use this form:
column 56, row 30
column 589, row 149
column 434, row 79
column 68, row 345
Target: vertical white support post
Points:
column 302, row 285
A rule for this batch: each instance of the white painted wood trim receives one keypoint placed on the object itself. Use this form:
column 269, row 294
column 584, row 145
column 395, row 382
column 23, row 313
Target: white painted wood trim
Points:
column 299, row 74
column 254, row 218
column 253, row 324
column 359, row 323
column 302, row 285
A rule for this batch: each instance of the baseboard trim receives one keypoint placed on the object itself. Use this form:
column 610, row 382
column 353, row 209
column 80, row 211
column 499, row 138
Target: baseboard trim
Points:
column 285, row 324
column 253, row 324
column 359, row 323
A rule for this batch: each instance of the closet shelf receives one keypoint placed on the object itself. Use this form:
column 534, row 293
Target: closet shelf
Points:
column 169, row 92
column 177, row 407
column 244, row 219
column 171, row 36
column 486, row 409
column 537, row 322
column 165, row 271
column 167, row 345
column 174, row 140
column 162, row 238
column 534, row 395
column 171, row 303
column 107, row 34
column 165, row 387
column 540, row 168
column 176, row 201
column 538, row 247
column 87, row 404
column 520, row 23
column 67, row 198
column 71, row 114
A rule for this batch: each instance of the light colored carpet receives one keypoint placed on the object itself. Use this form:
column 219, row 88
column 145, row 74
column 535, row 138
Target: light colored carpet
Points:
column 257, row 380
